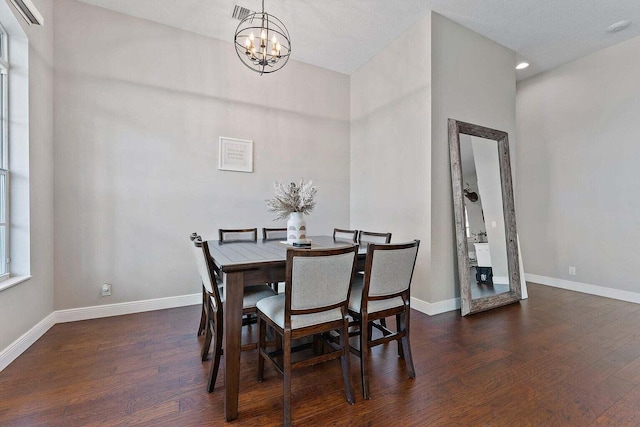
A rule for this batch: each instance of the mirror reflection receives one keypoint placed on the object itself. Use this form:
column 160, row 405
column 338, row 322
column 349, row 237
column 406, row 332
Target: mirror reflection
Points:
column 484, row 219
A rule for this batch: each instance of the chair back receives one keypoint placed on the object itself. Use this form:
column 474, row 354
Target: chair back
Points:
column 343, row 235
column 238, row 235
column 206, row 269
column 274, row 234
column 371, row 237
column 318, row 279
column 389, row 269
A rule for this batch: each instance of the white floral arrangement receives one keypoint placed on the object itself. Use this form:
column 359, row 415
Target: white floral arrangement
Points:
column 291, row 198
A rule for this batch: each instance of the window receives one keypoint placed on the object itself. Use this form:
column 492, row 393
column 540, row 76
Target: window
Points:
column 4, row 158
column 15, row 215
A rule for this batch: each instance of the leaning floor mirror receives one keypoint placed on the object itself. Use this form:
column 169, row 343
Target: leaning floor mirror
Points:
column 485, row 219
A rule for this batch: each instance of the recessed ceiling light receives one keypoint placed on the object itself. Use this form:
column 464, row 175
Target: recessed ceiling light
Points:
column 522, row 66
column 618, row 26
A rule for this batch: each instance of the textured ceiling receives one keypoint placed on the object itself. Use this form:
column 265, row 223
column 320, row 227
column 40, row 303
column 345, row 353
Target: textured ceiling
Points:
column 342, row 35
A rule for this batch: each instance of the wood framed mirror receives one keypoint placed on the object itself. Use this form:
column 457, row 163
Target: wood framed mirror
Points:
column 485, row 220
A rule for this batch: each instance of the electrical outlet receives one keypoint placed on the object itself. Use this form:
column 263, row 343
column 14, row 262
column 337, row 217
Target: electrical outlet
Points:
column 572, row 271
column 106, row 289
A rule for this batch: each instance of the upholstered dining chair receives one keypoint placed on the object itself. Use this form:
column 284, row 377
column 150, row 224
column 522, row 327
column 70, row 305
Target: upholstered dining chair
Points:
column 274, row 234
column 384, row 293
column 203, row 314
column 227, row 235
column 364, row 238
column 318, row 283
column 342, row 235
column 213, row 306
column 271, row 234
column 237, row 235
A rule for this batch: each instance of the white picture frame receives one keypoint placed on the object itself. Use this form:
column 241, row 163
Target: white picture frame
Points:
column 235, row 154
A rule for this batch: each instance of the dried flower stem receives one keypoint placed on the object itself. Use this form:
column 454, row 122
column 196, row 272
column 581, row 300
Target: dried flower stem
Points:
column 291, row 198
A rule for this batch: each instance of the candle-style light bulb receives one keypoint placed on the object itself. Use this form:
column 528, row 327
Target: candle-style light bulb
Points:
column 274, row 40
column 247, row 44
column 263, row 35
column 252, row 37
column 278, row 48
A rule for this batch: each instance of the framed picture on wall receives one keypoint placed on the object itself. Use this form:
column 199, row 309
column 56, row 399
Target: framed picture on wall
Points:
column 235, row 155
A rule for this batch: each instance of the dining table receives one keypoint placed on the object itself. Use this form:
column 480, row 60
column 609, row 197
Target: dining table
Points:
column 244, row 264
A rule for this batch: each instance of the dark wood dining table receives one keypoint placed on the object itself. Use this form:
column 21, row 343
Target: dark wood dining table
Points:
column 243, row 264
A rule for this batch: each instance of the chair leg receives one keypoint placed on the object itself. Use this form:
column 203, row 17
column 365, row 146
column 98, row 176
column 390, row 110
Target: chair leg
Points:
column 262, row 338
column 344, row 362
column 217, row 353
column 207, row 335
column 203, row 315
column 400, row 351
column 287, row 378
column 364, row 355
column 406, row 345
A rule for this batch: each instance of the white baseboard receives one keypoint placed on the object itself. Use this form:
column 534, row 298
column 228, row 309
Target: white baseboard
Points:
column 584, row 288
column 119, row 309
column 435, row 308
column 20, row 345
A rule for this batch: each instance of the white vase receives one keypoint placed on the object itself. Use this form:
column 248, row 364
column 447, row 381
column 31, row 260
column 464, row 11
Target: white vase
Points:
column 296, row 228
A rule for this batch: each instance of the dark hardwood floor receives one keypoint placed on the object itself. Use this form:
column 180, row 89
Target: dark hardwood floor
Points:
column 559, row 358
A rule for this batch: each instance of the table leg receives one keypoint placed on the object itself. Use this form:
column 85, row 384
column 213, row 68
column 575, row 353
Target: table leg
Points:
column 233, row 292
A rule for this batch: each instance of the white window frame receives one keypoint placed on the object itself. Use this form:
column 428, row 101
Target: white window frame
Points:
column 4, row 156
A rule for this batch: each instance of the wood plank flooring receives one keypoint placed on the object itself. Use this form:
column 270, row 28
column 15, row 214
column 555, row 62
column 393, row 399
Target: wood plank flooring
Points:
column 560, row 358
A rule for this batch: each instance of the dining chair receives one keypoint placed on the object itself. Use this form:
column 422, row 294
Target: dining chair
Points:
column 227, row 235
column 364, row 238
column 340, row 234
column 384, row 293
column 213, row 306
column 270, row 234
column 237, row 235
column 203, row 314
column 274, row 234
column 317, row 287
column 371, row 237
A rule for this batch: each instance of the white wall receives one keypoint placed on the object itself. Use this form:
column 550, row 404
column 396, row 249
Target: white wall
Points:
column 139, row 108
column 390, row 136
column 473, row 80
column 25, row 305
column 400, row 103
column 578, row 169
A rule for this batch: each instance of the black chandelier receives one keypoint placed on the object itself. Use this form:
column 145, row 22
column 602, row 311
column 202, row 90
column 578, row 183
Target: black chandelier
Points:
column 262, row 42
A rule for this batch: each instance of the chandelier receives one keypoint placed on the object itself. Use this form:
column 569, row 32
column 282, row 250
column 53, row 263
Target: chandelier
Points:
column 262, row 42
